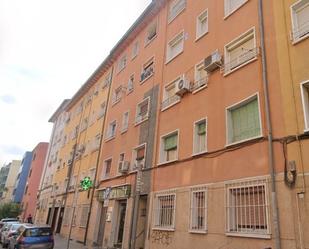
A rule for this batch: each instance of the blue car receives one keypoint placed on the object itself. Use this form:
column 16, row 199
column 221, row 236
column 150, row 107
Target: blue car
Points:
column 30, row 236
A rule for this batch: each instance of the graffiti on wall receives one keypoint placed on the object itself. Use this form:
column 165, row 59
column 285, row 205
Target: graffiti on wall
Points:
column 161, row 237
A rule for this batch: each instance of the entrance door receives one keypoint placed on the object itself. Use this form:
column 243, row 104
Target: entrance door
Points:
column 54, row 218
column 141, row 222
column 121, row 220
column 59, row 224
column 48, row 216
column 102, row 225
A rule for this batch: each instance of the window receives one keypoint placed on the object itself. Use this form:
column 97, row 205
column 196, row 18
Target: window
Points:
column 175, row 8
column 67, row 216
column 148, row 70
column 125, row 121
column 232, row 5
column 130, row 84
column 72, row 182
column 151, row 32
column 121, row 161
column 139, row 154
column 202, row 24
column 243, row 121
column 164, row 210
column 198, row 209
column 84, row 216
column 92, row 172
column 305, row 100
column 247, row 208
column 169, row 95
column 200, row 77
column 106, row 81
column 200, row 136
column 135, row 49
column 84, row 124
column 142, row 111
column 240, row 51
column 111, row 131
column 102, row 110
column 96, row 142
column 300, row 20
column 122, row 63
column 117, row 95
column 107, row 168
column 175, row 47
column 169, row 147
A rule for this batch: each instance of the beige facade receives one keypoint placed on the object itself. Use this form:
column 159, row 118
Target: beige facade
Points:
column 11, row 179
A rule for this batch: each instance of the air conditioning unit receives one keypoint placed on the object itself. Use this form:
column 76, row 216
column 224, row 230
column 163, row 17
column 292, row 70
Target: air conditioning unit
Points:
column 212, row 62
column 124, row 167
column 182, row 86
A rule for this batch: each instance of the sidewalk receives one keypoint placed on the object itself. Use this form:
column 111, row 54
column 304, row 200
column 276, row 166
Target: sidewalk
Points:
column 61, row 243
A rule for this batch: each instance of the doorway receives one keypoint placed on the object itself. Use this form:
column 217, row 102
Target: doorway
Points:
column 55, row 214
column 59, row 224
column 101, row 225
column 121, row 217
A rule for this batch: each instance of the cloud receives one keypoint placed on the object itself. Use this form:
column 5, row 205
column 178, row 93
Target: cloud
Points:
column 11, row 149
column 8, row 99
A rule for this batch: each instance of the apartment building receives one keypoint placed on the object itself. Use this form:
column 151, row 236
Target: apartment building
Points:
column 45, row 203
column 79, row 155
column 22, row 176
column 11, row 179
column 29, row 200
column 4, row 172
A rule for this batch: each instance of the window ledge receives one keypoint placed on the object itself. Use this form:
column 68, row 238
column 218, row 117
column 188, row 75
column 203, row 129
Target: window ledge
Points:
column 163, row 229
column 240, row 66
column 233, row 11
column 198, row 231
column 169, row 106
column 172, row 58
column 144, row 80
column 133, row 57
column 244, row 140
column 296, row 41
column 141, row 121
column 249, row 235
column 167, row 162
column 306, row 130
column 199, row 153
column 116, row 102
column 130, row 91
column 199, row 89
column 198, row 37
column 124, row 131
column 150, row 41
column 109, row 138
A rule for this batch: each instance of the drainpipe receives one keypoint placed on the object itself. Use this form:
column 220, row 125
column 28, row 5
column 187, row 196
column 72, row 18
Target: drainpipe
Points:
column 274, row 201
column 98, row 157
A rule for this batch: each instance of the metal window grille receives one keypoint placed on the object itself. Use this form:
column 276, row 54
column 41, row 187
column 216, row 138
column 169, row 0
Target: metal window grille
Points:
column 247, row 207
column 84, row 216
column 164, row 210
column 198, row 217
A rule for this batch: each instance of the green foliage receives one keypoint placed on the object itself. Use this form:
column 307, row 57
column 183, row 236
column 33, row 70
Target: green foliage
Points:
column 10, row 210
column 86, row 183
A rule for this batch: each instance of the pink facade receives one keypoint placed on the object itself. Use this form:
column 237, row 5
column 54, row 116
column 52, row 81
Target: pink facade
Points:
column 33, row 181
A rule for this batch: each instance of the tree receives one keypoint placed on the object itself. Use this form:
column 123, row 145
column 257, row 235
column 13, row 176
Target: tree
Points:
column 10, row 210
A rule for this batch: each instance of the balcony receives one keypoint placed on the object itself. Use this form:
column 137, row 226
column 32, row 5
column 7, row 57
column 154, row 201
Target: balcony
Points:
column 199, row 84
column 170, row 101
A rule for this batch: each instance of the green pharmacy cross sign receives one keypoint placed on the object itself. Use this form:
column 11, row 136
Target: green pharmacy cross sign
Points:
column 86, row 183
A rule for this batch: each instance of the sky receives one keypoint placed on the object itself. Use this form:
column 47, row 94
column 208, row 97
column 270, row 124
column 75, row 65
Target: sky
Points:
column 48, row 49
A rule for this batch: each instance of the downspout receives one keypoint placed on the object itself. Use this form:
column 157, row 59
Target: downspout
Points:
column 274, row 201
column 98, row 158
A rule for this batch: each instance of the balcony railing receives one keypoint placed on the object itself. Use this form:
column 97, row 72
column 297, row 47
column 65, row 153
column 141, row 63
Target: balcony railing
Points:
column 169, row 101
column 243, row 58
column 199, row 83
column 300, row 32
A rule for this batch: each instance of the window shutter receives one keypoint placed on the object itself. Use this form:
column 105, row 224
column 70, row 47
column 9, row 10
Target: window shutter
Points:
column 170, row 143
column 303, row 16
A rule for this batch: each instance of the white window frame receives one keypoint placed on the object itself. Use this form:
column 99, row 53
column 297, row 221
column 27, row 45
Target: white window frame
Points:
column 110, row 136
column 135, row 49
column 178, row 38
column 119, row 161
column 196, row 123
column 154, row 23
column 124, row 127
column 162, row 153
column 156, row 208
column 116, row 100
column 122, row 63
column 134, row 154
column 230, row 218
column 228, row 11
column 238, row 41
column 295, row 28
column 304, row 88
column 193, row 190
column 131, row 79
column 199, row 84
column 199, row 19
column 149, row 62
column 138, row 118
column 171, row 101
column 172, row 16
column 228, row 119
column 104, row 176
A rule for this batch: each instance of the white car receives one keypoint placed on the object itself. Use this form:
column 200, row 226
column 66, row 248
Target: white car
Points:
column 9, row 232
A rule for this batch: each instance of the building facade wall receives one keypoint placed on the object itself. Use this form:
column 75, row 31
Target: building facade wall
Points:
column 11, row 180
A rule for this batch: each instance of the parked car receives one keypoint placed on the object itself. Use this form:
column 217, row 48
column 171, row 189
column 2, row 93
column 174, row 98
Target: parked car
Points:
column 32, row 237
column 5, row 226
column 3, row 221
column 9, row 232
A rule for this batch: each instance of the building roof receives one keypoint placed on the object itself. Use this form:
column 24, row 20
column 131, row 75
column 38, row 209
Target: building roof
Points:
column 59, row 110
